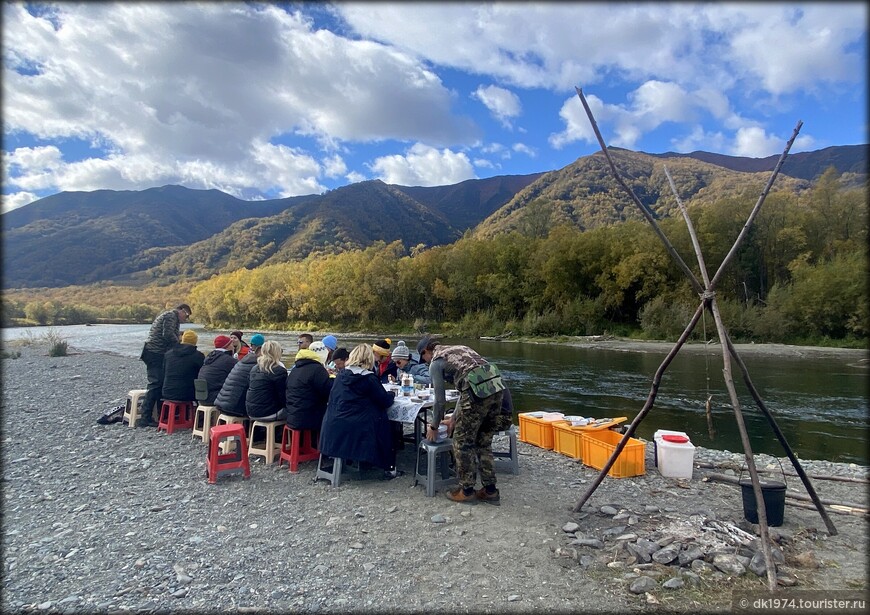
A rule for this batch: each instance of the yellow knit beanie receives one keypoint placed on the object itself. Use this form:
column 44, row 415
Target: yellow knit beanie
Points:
column 189, row 337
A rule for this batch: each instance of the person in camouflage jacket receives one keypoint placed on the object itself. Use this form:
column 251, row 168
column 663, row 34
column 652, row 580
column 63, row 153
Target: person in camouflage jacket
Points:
column 165, row 333
column 475, row 420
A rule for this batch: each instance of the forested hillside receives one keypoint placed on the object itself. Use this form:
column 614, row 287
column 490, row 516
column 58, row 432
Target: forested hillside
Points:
column 82, row 237
column 585, row 195
column 171, row 233
column 800, row 277
column 568, row 254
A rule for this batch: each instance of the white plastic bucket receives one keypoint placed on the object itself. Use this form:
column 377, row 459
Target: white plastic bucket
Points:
column 676, row 459
column 657, row 438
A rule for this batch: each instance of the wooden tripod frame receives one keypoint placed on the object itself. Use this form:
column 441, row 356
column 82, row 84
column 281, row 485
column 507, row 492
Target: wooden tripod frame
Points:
column 708, row 302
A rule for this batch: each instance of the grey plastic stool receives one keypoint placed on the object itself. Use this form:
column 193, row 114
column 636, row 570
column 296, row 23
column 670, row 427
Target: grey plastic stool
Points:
column 509, row 460
column 435, row 452
column 333, row 476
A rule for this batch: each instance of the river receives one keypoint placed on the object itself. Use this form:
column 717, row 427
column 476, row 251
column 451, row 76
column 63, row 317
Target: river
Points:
column 820, row 403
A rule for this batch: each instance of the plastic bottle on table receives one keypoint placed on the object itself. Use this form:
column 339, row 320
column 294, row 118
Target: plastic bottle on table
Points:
column 407, row 385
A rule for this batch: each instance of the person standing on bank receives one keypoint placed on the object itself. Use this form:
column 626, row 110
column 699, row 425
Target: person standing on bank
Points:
column 165, row 333
column 476, row 419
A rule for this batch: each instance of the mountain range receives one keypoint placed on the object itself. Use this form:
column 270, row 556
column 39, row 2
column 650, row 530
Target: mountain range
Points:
column 172, row 232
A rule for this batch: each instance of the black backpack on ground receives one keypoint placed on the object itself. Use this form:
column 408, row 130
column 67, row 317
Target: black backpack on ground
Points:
column 113, row 415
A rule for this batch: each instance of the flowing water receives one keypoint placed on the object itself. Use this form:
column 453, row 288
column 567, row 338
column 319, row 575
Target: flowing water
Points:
column 820, row 404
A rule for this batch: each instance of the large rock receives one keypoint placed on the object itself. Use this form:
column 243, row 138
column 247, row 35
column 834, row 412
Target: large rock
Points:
column 642, row 585
column 729, row 564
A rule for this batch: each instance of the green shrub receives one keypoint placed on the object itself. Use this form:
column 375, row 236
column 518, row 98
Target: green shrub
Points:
column 57, row 346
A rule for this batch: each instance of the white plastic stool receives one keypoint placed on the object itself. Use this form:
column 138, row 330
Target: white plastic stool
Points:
column 268, row 449
column 509, row 459
column 131, row 410
column 333, row 475
column 203, row 420
column 435, row 452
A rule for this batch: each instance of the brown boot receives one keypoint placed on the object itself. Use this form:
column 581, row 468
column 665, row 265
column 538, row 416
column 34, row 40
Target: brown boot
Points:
column 458, row 495
column 489, row 498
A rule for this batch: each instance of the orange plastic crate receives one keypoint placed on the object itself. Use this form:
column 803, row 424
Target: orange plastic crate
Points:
column 567, row 440
column 537, row 431
column 598, row 446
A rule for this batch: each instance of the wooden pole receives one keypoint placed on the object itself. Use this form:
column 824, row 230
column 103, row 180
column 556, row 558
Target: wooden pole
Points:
column 696, row 285
column 832, row 530
column 758, row 203
column 747, row 449
column 710, row 302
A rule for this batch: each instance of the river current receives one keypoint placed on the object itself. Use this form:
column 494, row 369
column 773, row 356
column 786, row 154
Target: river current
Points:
column 820, row 404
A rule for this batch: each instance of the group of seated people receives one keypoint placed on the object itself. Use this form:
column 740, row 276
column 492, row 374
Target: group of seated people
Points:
column 326, row 389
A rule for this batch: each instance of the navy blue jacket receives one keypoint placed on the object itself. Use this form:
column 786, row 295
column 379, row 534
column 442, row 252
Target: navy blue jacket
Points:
column 308, row 388
column 180, row 368
column 231, row 399
column 217, row 366
column 355, row 425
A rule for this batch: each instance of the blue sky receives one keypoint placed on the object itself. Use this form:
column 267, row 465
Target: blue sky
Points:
column 276, row 100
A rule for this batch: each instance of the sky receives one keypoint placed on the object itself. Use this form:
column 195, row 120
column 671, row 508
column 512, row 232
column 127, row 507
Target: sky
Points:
column 272, row 100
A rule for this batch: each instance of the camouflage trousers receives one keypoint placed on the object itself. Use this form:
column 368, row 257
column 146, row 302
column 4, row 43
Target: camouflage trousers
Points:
column 475, row 422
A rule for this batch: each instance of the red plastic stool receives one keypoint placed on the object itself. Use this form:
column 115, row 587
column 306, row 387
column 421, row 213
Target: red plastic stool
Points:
column 218, row 463
column 297, row 450
column 175, row 415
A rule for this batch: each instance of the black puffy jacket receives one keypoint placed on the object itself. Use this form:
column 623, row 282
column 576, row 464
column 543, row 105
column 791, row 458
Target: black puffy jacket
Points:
column 217, row 366
column 181, row 367
column 308, row 387
column 231, row 399
column 265, row 394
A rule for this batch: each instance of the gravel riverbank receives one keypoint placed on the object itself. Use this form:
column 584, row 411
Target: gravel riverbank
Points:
column 111, row 519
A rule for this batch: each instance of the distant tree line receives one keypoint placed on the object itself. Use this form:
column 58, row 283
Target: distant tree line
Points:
column 800, row 277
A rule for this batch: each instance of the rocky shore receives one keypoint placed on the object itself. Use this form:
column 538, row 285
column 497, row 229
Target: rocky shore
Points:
column 104, row 518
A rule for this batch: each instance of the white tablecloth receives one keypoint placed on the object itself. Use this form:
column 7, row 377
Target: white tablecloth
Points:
column 406, row 409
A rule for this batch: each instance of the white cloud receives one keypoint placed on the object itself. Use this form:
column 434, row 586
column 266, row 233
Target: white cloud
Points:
column 334, row 166
column 424, row 166
column 798, row 46
column 699, row 140
column 522, row 148
column 354, row 177
column 503, row 104
column 483, row 163
column 754, row 142
column 577, row 124
column 17, row 199
column 790, row 46
column 650, row 106
column 178, row 91
column 494, row 148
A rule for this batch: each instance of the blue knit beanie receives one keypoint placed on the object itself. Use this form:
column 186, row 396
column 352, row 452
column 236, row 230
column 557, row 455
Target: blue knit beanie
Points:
column 330, row 342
